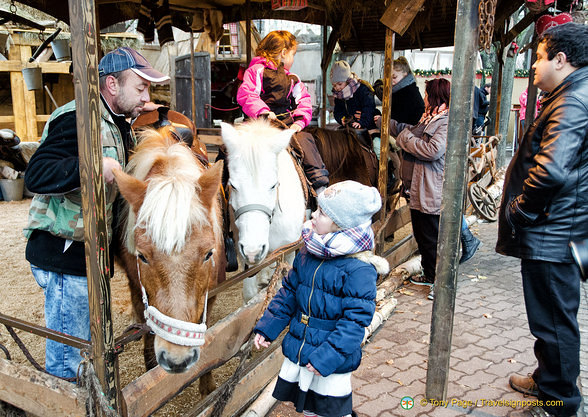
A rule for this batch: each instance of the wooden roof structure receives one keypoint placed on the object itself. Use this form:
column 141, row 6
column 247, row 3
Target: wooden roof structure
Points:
column 358, row 21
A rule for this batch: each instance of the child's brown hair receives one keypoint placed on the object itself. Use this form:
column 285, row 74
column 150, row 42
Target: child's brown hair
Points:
column 273, row 43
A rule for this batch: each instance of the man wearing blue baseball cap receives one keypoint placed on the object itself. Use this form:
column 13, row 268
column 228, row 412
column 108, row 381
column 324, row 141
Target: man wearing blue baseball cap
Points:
column 55, row 231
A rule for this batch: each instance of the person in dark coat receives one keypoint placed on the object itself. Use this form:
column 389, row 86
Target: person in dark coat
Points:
column 544, row 208
column 407, row 103
column 327, row 300
column 481, row 105
column 354, row 99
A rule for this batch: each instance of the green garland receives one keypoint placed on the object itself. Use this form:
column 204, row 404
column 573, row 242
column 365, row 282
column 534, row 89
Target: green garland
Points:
column 520, row 73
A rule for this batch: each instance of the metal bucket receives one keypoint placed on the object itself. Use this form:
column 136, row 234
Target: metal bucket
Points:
column 61, row 49
column 12, row 190
column 33, row 78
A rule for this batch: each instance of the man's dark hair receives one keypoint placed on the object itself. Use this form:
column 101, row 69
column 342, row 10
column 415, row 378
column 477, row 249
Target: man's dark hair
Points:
column 571, row 39
column 120, row 76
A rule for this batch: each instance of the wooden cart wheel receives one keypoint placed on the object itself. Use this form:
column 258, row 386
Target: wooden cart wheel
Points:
column 483, row 202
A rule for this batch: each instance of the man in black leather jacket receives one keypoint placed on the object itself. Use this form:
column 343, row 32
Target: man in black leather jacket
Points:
column 544, row 208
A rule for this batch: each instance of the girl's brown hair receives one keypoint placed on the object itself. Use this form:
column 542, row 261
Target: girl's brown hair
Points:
column 401, row 64
column 273, row 43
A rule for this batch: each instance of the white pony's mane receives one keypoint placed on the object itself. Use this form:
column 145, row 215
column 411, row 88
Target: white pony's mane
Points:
column 253, row 143
column 172, row 205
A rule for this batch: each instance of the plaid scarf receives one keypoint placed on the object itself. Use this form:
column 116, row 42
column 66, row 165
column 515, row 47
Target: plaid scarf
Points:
column 342, row 242
column 347, row 92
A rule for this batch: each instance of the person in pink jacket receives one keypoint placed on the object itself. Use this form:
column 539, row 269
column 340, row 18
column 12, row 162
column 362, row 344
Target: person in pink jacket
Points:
column 270, row 90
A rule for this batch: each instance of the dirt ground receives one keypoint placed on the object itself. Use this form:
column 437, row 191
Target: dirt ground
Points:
column 21, row 297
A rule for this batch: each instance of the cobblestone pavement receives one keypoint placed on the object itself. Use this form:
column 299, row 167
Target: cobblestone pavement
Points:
column 491, row 340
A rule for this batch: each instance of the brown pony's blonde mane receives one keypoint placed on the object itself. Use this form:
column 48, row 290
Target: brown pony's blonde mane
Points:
column 171, row 206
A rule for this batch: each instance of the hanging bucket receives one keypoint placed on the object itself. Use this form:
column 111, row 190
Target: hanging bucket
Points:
column 12, row 190
column 33, row 78
column 61, row 50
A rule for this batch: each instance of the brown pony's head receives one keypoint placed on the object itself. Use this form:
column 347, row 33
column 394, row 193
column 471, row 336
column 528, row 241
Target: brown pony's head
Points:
column 174, row 231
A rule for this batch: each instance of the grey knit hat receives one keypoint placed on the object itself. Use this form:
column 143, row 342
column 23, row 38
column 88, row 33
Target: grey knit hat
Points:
column 349, row 203
column 340, row 72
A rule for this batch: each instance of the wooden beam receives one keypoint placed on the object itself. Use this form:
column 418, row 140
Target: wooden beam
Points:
column 400, row 252
column 519, row 27
column 400, row 218
column 495, row 86
column 38, row 393
column 85, row 50
column 400, row 13
column 505, row 102
column 46, row 67
column 148, row 392
column 502, row 14
column 248, row 31
column 330, row 47
column 459, row 132
column 324, row 76
column 17, row 89
column 260, row 374
column 385, row 129
column 30, row 108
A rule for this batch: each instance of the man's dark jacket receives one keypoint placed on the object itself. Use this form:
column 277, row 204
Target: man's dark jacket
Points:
column 549, row 173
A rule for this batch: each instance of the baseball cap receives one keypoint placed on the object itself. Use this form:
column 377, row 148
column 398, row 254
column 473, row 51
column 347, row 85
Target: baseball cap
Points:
column 125, row 58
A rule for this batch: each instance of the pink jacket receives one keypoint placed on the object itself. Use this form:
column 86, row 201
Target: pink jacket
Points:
column 523, row 103
column 256, row 81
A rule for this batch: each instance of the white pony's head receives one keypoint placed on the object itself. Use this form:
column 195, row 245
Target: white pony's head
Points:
column 253, row 150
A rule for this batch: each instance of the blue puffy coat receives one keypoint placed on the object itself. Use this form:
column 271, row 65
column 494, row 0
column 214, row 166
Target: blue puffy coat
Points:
column 328, row 303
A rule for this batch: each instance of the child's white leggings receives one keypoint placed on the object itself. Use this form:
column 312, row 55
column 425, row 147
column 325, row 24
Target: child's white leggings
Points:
column 311, row 414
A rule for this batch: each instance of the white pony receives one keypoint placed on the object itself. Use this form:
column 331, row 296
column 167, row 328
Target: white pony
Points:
column 265, row 192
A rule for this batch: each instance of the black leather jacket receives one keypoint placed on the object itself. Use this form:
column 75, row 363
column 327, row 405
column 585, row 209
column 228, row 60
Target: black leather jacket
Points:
column 548, row 178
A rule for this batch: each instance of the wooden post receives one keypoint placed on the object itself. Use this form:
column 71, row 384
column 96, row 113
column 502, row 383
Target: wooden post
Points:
column 324, row 78
column 192, row 76
column 172, row 53
column 85, row 61
column 327, row 52
column 458, row 134
column 17, row 87
column 531, row 88
column 248, row 30
column 385, row 129
column 499, row 78
column 505, row 102
column 491, row 129
column 30, row 108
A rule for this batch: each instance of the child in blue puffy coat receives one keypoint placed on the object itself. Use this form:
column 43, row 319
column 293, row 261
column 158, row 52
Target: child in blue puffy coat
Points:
column 328, row 299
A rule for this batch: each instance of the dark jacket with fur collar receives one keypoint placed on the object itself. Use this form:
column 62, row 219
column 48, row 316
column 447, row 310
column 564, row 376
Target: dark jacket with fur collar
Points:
column 338, row 295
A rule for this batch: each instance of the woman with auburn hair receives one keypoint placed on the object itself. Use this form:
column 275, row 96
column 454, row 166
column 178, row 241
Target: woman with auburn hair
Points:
column 423, row 162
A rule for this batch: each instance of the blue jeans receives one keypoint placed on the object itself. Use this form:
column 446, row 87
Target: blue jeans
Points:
column 66, row 311
column 464, row 224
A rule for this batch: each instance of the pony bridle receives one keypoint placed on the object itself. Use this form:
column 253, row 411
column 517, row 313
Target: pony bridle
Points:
column 260, row 207
column 175, row 331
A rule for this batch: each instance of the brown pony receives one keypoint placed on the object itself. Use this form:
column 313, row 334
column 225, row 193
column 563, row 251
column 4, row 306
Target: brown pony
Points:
column 345, row 157
column 170, row 239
